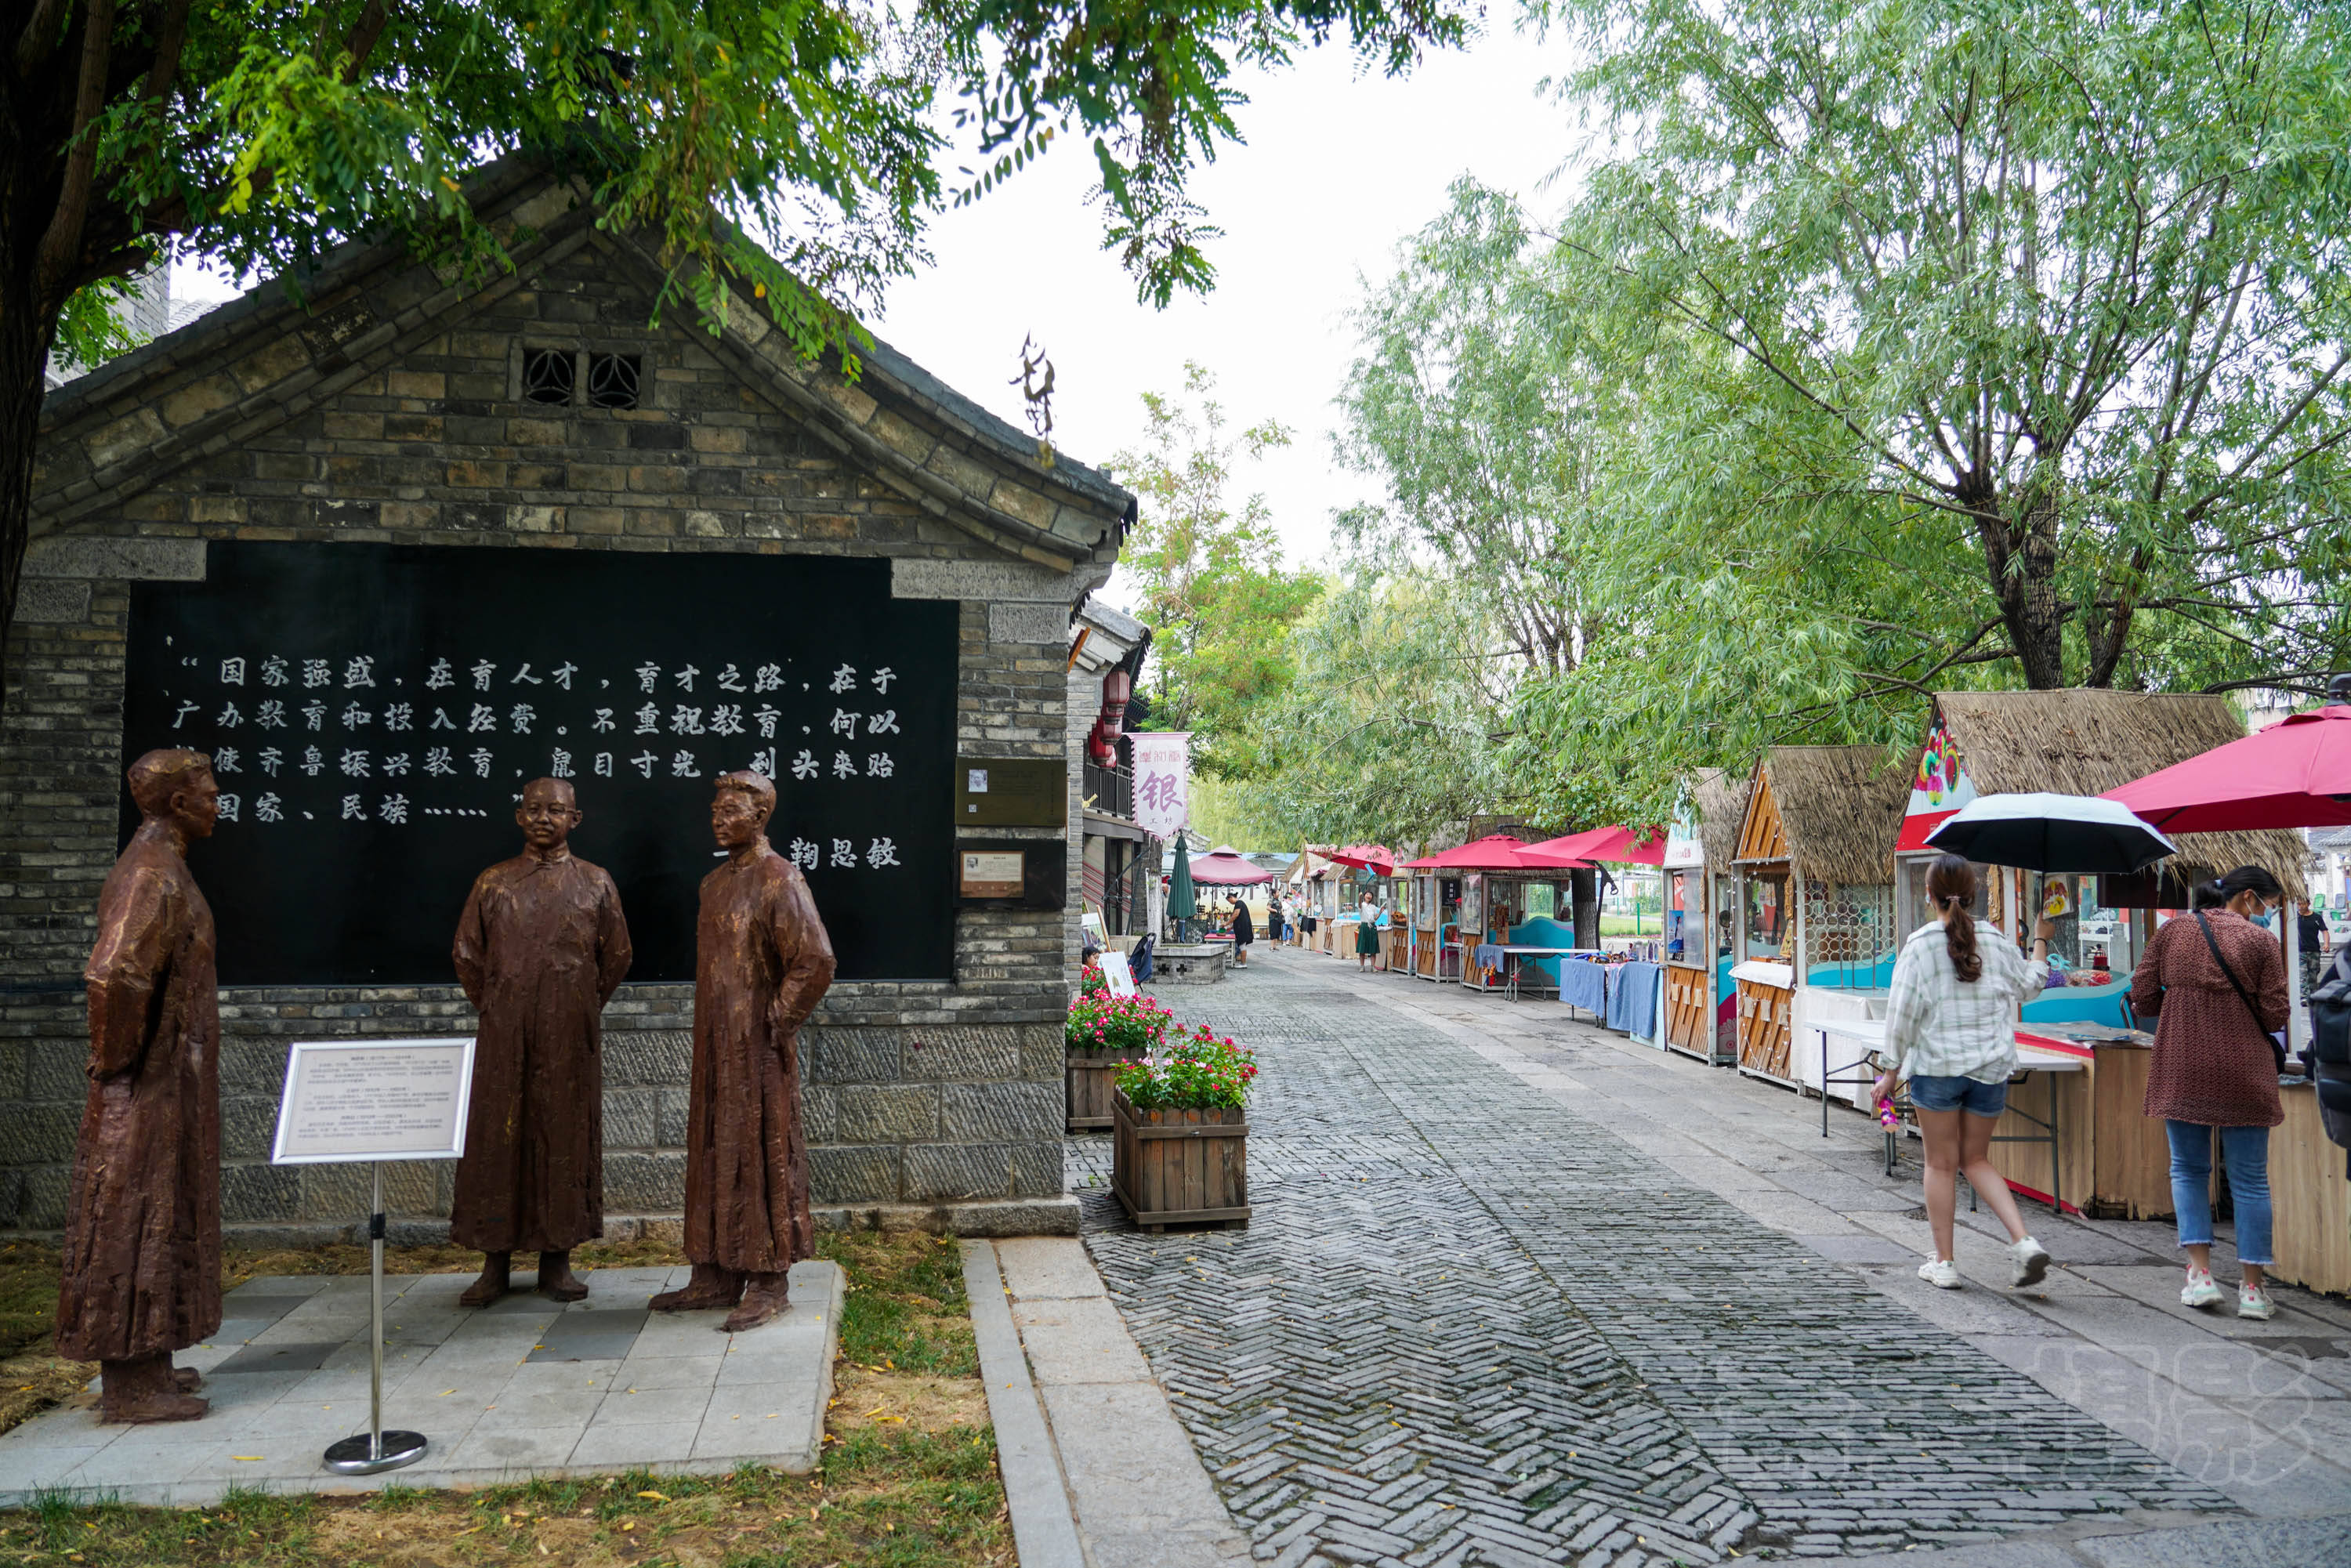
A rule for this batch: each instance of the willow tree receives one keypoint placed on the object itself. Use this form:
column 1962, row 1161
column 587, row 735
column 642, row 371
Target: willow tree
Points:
column 787, row 143
column 1207, row 569
column 1388, row 731
column 2058, row 288
column 1472, row 402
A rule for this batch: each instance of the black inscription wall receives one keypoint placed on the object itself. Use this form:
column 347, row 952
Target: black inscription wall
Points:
column 374, row 711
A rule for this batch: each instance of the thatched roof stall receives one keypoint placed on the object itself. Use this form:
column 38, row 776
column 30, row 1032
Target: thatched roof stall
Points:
column 1719, row 797
column 2082, row 742
column 1816, row 934
column 1700, row 848
column 1834, row 811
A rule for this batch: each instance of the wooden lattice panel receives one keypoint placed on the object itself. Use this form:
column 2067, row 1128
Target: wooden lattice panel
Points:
column 1689, row 1019
column 1762, row 836
column 1765, row 1013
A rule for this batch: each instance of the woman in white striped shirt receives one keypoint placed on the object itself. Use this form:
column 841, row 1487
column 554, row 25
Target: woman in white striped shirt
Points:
column 1950, row 1025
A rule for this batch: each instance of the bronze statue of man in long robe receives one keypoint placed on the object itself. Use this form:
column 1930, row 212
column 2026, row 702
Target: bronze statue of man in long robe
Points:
column 540, row 948
column 762, row 963
column 141, row 1267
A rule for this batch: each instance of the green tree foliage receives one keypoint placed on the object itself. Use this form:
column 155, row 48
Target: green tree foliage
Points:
column 1211, row 584
column 1474, row 403
column 1892, row 347
column 785, row 144
column 1387, row 733
column 2059, row 285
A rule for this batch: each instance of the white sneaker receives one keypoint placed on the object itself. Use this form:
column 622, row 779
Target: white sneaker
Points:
column 2199, row 1290
column 2253, row 1302
column 2028, row 1263
column 1940, row 1273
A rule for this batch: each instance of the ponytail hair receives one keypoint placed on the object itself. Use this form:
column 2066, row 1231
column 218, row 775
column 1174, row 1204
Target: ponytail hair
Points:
column 1951, row 885
column 2250, row 879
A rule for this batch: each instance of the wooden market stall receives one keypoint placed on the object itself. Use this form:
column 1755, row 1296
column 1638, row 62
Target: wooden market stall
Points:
column 1701, row 909
column 1470, row 903
column 2115, row 1162
column 1814, row 933
column 1307, row 879
column 2312, row 1237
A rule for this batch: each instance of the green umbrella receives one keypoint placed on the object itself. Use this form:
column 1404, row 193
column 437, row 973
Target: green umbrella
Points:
column 1182, row 904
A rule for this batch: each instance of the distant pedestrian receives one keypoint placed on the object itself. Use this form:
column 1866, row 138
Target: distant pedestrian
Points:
column 1951, row 1026
column 1368, row 933
column 1309, row 920
column 1244, row 931
column 2312, row 933
column 1274, row 922
column 2215, row 982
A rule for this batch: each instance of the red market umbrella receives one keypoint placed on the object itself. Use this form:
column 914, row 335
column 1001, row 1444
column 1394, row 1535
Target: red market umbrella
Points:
column 2296, row 773
column 1618, row 846
column 1225, row 868
column 1377, row 859
column 1498, row 851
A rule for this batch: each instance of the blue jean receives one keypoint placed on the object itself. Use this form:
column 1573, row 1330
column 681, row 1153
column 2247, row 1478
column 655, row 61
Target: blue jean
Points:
column 2246, row 1151
column 1972, row 1095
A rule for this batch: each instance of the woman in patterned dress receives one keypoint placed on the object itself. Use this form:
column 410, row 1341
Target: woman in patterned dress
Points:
column 2214, row 1068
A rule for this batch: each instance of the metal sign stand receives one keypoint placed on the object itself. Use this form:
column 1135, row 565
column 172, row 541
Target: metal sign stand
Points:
column 375, row 1449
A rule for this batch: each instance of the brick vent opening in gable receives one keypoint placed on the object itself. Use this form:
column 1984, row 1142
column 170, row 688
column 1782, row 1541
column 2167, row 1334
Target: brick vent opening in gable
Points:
column 612, row 381
column 548, row 376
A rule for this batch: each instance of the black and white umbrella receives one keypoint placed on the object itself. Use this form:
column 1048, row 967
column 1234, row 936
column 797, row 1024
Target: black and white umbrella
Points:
column 2052, row 833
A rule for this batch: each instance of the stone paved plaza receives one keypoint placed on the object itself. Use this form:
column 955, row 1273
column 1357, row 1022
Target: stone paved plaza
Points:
column 1472, row 1320
column 523, row 1388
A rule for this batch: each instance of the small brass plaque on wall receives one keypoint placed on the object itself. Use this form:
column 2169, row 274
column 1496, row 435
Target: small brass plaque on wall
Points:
column 992, row 873
column 1011, row 792
column 1026, row 874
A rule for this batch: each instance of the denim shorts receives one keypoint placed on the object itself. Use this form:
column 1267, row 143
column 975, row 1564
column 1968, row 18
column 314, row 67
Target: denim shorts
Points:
column 1969, row 1094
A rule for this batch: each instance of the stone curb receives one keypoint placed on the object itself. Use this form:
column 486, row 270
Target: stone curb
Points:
column 801, row 1461
column 1044, row 1524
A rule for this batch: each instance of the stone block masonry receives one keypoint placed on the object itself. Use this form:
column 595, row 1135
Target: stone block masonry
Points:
column 390, row 409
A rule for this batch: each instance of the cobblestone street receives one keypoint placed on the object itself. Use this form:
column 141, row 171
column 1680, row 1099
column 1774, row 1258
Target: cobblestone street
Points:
column 1470, row 1322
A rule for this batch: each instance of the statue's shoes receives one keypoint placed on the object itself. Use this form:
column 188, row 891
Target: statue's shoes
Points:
column 157, row 1408
column 484, row 1291
column 696, row 1298
column 568, row 1288
column 759, row 1307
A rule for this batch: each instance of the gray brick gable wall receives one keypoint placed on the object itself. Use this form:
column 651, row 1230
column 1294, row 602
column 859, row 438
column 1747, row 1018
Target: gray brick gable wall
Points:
column 387, row 410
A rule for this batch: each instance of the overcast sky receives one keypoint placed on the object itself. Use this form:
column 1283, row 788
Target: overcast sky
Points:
column 1338, row 169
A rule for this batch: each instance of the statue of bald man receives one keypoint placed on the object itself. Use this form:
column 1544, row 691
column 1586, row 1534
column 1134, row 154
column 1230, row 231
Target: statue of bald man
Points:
column 540, row 948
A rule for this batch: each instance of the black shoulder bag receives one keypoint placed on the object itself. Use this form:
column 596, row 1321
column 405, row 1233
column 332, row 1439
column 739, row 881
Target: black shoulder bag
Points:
column 2276, row 1049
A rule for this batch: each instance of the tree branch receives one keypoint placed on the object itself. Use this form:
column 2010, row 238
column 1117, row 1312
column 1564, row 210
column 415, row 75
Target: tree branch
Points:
column 62, row 239
column 171, row 36
column 39, row 39
column 373, row 17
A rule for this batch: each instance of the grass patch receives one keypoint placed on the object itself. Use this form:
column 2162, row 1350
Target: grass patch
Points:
column 909, row 1478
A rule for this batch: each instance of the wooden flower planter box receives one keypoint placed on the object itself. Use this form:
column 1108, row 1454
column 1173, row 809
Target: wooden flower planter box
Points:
column 1091, row 1075
column 1179, row 1167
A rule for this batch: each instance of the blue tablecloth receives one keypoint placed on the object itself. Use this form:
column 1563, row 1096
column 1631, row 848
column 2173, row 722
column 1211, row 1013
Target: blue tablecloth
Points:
column 1585, row 984
column 1632, row 1000
column 1487, row 956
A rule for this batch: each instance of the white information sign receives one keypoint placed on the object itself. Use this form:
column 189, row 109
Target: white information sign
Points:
column 1120, row 979
column 352, row 1101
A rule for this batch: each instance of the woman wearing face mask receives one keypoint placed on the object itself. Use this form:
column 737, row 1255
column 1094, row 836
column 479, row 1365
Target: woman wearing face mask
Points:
column 2215, row 982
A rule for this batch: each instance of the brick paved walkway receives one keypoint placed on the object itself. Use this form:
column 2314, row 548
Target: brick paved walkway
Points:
column 1466, row 1325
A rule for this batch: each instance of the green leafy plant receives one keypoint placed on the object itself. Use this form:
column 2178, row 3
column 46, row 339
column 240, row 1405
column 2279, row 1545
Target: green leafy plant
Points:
column 1201, row 1070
